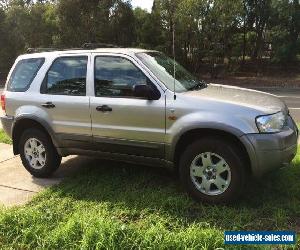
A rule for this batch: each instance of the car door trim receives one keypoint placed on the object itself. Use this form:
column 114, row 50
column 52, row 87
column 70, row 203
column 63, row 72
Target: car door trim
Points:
column 130, row 147
column 135, row 159
column 112, row 145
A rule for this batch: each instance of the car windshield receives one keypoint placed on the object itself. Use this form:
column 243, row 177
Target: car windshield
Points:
column 163, row 68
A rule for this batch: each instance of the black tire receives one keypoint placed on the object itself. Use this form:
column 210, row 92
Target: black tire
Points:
column 233, row 157
column 53, row 159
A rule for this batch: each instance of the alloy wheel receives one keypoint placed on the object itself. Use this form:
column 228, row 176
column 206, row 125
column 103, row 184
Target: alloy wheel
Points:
column 210, row 173
column 35, row 153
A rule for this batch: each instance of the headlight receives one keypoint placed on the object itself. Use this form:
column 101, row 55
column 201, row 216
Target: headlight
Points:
column 271, row 123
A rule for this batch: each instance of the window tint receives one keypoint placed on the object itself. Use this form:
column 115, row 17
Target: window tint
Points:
column 116, row 76
column 24, row 73
column 67, row 76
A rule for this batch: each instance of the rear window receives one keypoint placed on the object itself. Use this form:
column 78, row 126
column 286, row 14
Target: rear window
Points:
column 66, row 76
column 24, row 73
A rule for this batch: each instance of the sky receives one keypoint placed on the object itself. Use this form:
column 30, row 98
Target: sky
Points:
column 144, row 4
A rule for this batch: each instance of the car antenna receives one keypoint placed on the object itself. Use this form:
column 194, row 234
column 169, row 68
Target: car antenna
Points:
column 174, row 64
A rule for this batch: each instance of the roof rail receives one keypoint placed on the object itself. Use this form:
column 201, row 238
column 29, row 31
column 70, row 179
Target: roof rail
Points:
column 84, row 46
column 39, row 50
column 98, row 45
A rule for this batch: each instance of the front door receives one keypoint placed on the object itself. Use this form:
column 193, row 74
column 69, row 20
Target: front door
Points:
column 121, row 122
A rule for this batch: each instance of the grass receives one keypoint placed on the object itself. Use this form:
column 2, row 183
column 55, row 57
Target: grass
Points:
column 4, row 137
column 109, row 205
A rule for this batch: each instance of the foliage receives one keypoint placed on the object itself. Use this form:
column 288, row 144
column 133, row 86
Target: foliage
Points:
column 207, row 31
column 4, row 138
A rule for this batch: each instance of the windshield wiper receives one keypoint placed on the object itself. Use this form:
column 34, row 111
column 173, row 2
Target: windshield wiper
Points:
column 200, row 85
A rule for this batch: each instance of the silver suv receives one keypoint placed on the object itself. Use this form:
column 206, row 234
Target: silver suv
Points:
column 120, row 104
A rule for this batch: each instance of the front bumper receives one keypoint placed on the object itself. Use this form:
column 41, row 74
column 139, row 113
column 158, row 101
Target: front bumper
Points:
column 272, row 151
column 7, row 123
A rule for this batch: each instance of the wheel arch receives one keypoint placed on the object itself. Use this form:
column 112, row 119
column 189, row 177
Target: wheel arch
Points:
column 22, row 123
column 194, row 134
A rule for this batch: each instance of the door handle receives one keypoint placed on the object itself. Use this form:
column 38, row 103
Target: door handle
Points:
column 48, row 105
column 104, row 108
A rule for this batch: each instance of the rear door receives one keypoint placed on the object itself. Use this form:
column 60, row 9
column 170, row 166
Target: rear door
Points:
column 64, row 98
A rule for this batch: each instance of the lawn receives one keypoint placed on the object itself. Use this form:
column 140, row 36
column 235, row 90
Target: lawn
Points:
column 4, row 137
column 109, row 205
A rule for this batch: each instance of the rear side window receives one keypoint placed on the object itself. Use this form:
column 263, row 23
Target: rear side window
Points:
column 66, row 76
column 24, row 73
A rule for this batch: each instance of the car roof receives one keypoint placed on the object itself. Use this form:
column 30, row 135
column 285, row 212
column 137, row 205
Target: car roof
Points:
column 124, row 51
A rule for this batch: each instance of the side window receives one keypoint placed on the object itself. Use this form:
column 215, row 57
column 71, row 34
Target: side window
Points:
column 116, row 76
column 24, row 73
column 67, row 76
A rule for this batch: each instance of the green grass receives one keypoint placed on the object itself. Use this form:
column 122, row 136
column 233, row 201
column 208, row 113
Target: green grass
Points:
column 4, row 137
column 110, row 205
column 119, row 206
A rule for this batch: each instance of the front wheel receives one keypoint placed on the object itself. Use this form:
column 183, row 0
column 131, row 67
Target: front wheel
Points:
column 212, row 170
column 38, row 154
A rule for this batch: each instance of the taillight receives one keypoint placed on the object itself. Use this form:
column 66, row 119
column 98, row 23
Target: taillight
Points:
column 3, row 102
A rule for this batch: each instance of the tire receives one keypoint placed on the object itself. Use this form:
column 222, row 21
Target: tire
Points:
column 201, row 176
column 38, row 154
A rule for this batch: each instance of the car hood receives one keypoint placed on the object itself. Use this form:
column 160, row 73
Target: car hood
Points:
column 258, row 100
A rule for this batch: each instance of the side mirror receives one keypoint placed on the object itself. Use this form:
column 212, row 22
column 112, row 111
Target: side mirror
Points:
column 144, row 91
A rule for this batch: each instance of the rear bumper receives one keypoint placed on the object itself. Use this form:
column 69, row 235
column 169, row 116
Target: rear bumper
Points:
column 272, row 151
column 7, row 123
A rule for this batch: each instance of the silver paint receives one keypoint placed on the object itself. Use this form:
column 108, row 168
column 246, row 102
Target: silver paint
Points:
column 229, row 109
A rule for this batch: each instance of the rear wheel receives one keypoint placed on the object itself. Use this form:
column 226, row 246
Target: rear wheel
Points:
column 212, row 170
column 38, row 153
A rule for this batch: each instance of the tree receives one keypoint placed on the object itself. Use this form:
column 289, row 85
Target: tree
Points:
column 148, row 29
column 167, row 10
column 258, row 14
column 284, row 30
column 206, row 31
column 107, row 21
column 122, row 23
